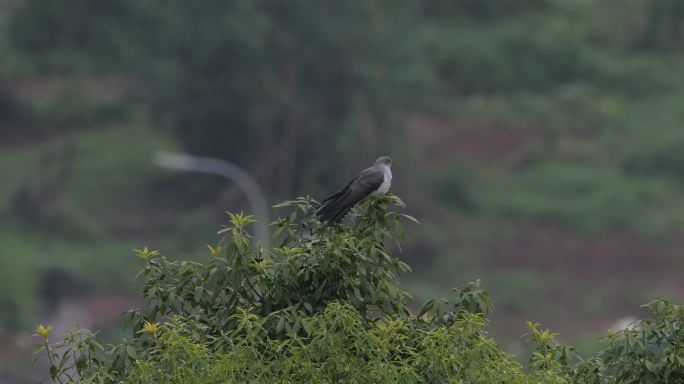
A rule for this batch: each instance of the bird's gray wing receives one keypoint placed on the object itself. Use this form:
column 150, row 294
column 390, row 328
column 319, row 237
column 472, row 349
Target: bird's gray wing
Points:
column 336, row 206
column 339, row 193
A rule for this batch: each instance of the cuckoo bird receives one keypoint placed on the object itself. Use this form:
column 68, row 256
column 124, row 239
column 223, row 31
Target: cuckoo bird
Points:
column 373, row 180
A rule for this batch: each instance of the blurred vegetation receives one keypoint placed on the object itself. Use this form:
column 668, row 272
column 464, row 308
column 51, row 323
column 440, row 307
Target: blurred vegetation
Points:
column 502, row 115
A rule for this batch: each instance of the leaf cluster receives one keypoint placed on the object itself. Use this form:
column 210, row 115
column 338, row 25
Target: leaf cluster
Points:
column 648, row 351
column 325, row 306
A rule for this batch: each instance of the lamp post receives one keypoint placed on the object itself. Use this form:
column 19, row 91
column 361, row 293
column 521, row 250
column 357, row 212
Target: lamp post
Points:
column 245, row 181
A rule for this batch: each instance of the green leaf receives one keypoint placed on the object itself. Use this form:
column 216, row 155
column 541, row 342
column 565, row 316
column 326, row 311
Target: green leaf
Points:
column 308, row 326
column 81, row 362
column 410, row 218
column 284, row 204
column 280, row 325
column 680, row 359
column 131, row 352
column 649, row 365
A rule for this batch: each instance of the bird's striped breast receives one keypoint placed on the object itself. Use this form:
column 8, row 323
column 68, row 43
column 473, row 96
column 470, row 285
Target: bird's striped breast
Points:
column 386, row 182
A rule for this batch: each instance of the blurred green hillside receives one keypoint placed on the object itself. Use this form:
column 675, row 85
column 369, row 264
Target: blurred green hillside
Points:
column 539, row 141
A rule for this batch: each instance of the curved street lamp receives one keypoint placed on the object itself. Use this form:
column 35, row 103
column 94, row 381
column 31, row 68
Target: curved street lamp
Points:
column 245, row 181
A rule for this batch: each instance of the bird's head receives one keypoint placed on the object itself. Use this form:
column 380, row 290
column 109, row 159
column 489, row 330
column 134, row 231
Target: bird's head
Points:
column 384, row 160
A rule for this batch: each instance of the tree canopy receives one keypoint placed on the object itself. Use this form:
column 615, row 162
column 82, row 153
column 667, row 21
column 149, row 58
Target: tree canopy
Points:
column 326, row 306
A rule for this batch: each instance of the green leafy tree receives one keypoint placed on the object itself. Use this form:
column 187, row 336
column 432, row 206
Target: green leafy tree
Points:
column 323, row 306
column 649, row 351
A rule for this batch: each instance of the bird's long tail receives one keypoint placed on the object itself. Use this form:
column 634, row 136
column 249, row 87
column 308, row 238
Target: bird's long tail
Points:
column 326, row 212
column 332, row 212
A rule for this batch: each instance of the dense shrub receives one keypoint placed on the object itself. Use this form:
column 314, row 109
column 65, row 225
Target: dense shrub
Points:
column 647, row 352
column 325, row 306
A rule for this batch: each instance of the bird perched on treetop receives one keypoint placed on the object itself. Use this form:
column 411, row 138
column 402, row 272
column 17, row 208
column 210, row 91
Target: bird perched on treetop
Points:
column 373, row 180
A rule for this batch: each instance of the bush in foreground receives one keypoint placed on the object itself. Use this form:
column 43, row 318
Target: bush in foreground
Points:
column 325, row 306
